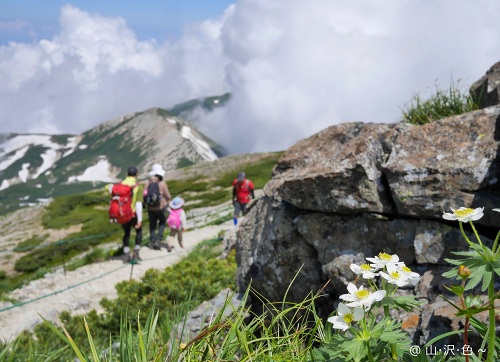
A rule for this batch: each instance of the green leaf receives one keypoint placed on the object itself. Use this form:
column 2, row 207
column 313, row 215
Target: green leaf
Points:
column 475, row 277
column 407, row 303
column 453, row 261
column 458, row 290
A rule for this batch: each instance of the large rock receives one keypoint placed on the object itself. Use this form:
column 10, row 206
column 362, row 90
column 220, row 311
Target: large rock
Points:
column 354, row 190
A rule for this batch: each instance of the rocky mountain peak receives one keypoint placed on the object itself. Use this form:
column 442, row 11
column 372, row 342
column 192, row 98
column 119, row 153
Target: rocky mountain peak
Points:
column 34, row 167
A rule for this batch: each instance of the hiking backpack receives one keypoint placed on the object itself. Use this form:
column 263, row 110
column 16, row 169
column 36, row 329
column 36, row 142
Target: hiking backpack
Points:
column 153, row 195
column 174, row 219
column 120, row 206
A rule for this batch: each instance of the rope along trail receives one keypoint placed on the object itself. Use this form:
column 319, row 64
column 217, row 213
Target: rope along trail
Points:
column 81, row 290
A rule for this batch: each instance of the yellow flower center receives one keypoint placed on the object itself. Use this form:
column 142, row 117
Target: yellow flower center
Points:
column 365, row 267
column 362, row 294
column 384, row 256
column 348, row 318
column 406, row 269
column 464, row 212
column 395, row 275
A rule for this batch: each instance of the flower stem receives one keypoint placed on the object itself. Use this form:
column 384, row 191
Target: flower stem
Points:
column 463, row 233
column 466, row 326
column 475, row 233
column 369, row 352
column 491, row 330
column 394, row 352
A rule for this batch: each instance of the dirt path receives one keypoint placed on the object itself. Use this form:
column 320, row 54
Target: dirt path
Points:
column 81, row 290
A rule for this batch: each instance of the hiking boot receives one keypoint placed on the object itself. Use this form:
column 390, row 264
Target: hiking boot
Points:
column 180, row 244
column 156, row 246
column 126, row 258
column 136, row 255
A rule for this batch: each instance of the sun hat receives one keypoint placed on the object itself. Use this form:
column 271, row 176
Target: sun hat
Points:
column 157, row 169
column 176, row 203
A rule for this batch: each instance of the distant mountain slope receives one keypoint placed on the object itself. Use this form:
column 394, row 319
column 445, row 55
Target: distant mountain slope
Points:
column 186, row 110
column 34, row 167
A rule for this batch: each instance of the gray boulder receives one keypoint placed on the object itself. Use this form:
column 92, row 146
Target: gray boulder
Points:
column 354, row 190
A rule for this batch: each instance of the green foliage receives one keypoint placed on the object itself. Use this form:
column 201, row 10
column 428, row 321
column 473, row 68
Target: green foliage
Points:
column 440, row 104
column 160, row 299
column 222, row 219
column 66, row 211
column 61, row 139
column 373, row 346
column 93, row 256
column 198, row 277
column 260, row 173
column 89, row 210
column 184, row 162
column 30, row 243
column 178, row 187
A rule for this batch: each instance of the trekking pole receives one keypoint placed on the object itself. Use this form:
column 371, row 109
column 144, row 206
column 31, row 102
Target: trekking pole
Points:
column 131, row 269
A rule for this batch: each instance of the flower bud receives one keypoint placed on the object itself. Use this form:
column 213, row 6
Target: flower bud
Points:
column 463, row 272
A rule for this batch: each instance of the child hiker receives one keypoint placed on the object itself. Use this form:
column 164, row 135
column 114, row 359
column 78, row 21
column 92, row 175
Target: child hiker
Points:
column 176, row 222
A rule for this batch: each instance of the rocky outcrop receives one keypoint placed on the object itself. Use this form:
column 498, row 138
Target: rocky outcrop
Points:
column 486, row 90
column 221, row 307
column 354, row 190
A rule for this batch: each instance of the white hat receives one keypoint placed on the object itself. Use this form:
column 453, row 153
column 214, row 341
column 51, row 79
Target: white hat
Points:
column 157, row 169
column 176, row 203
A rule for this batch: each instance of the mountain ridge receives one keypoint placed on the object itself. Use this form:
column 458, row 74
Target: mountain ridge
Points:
column 36, row 167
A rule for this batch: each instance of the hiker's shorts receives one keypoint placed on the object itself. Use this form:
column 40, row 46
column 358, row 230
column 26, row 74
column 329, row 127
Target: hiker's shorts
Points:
column 240, row 207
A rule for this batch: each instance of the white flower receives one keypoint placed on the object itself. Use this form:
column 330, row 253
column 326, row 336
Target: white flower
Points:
column 497, row 210
column 367, row 271
column 345, row 317
column 464, row 214
column 361, row 297
column 394, row 275
column 403, row 269
column 382, row 259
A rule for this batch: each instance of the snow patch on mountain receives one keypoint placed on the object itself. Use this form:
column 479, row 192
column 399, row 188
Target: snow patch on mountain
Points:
column 200, row 146
column 10, row 160
column 97, row 172
column 24, row 173
column 17, row 147
column 5, row 184
column 49, row 158
column 72, row 143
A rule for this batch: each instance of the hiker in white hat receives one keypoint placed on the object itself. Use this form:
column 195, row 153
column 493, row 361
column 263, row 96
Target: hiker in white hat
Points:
column 176, row 221
column 156, row 198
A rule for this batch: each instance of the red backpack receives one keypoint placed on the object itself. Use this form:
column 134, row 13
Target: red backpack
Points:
column 120, row 206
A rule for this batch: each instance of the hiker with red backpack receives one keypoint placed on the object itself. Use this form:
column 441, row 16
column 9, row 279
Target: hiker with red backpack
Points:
column 127, row 211
column 156, row 198
column 176, row 221
column 242, row 191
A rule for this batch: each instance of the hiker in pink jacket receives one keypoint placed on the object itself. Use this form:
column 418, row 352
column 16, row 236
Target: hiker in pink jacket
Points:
column 176, row 221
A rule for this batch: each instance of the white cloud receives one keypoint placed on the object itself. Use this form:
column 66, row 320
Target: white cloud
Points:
column 15, row 25
column 293, row 67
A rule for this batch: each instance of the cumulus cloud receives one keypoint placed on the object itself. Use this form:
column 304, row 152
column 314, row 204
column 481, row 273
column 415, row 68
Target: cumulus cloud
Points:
column 292, row 67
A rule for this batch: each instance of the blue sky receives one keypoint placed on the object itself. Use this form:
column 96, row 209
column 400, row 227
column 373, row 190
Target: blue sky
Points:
column 33, row 20
column 293, row 67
